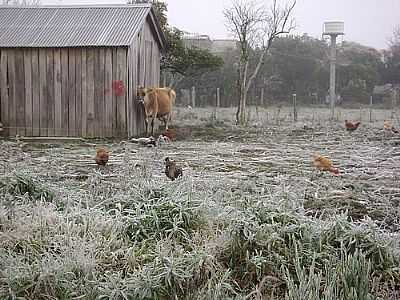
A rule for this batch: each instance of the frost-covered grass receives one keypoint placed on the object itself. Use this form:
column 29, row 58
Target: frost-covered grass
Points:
column 250, row 219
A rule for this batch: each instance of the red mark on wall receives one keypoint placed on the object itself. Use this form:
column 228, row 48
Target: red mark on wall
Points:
column 118, row 87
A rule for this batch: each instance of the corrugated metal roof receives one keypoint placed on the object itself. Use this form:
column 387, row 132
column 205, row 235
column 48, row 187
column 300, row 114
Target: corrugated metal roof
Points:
column 71, row 26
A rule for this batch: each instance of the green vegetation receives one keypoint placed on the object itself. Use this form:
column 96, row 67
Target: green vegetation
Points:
column 23, row 184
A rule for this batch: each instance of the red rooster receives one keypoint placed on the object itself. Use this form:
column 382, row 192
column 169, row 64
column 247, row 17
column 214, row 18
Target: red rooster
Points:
column 351, row 126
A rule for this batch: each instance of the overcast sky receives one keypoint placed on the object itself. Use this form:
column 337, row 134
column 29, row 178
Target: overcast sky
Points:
column 369, row 22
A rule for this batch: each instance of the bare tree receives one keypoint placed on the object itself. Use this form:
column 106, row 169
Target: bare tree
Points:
column 255, row 26
column 21, row 2
column 395, row 40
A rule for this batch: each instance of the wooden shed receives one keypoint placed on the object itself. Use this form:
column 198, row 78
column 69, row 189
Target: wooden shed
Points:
column 74, row 70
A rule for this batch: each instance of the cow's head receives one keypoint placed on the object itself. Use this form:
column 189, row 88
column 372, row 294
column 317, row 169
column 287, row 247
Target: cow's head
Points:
column 141, row 92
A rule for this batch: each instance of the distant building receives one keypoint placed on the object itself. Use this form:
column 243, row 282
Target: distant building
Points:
column 219, row 46
column 203, row 41
column 383, row 89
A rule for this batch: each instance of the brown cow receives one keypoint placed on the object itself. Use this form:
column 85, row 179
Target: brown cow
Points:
column 158, row 104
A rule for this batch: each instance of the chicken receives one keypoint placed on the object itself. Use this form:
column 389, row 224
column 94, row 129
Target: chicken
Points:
column 323, row 163
column 351, row 126
column 172, row 170
column 102, row 156
column 389, row 127
column 162, row 140
column 150, row 141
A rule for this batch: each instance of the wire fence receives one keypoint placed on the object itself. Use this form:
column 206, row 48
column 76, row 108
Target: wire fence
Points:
column 223, row 97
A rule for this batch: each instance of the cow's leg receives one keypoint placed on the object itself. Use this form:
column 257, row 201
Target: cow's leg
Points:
column 146, row 122
column 166, row 121
column 170, row 117
column 152, row 127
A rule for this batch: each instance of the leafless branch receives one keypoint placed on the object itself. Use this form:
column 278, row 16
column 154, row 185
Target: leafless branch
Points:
column 256, row 27
column 395, row 40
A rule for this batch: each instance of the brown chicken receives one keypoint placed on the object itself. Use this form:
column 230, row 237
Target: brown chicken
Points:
column 389, row 127
column 323, row 163
column 102, row 157
column 351, row 126
column 172, row 170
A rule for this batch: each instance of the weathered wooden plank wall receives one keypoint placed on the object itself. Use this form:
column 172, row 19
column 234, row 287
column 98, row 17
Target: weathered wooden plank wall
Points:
column 68, row 92
column 43, row 108
column 50, row 85
column 131, row 97
column 108, row 73
column 28, row 92
column 4, row 117
column 90, row 92
column 35, row 92
column 101, row 117
column 71, row 93
column 78, row 92
column 64, row 93
column 19, row 93
column 11, row 93
column 143, row 70
column 84, row 92
column 57, row 93
column 120, row 90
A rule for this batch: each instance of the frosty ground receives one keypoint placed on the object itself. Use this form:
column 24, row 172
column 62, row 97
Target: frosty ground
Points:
column 251, row 217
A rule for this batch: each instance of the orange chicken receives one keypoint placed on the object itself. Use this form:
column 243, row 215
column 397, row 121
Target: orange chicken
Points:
column 389, row 127
column 323, row 163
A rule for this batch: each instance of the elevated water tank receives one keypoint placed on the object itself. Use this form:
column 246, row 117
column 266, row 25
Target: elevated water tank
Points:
column 334, row 28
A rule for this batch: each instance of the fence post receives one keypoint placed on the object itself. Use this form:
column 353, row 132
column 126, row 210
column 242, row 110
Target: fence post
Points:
column 164, row 79
column 218, row 98
column 394, row 98
column 370, row 109
column 193, row 96
column 262, row 97
column 294, row 108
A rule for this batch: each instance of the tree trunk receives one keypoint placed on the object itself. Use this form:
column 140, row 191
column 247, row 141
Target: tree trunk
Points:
column 238, row 113
column 241, row 120
column 243, row 109
column 239, row 89
column 245, row 85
